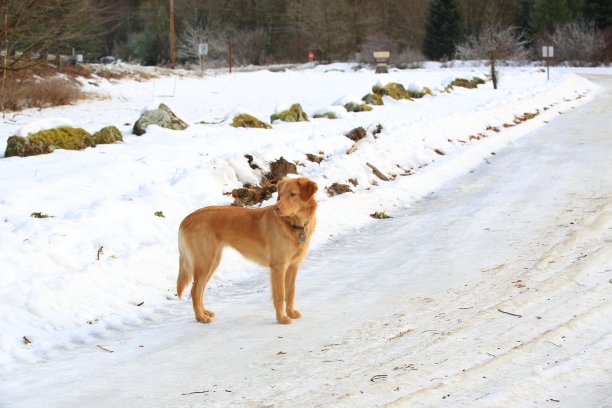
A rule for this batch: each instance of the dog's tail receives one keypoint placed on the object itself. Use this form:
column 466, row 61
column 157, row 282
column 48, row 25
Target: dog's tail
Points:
column 185, row 275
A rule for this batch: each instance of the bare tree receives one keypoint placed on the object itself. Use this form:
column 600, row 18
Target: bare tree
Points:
column 494, row 44
column 190, row 39
column 576, row 43
column 32, row 27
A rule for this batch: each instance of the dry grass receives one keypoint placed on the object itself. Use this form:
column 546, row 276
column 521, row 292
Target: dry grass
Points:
column 39, row 94
column 116, row 73
column 43, row 86
column 46, row 84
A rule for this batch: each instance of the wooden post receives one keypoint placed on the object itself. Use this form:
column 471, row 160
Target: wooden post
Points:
column 172, row 33
column 230, row 57
column 548, row 52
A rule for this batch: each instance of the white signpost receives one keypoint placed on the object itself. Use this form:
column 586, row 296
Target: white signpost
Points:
column 548, row 52
column 202, row 51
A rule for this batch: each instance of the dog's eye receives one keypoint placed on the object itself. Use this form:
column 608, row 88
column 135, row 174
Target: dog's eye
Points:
column 293, row 194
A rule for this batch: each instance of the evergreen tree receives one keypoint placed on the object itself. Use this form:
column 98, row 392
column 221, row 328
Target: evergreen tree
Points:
column 443, row 29
column 599, row 12
column 523, row 16
column 548, row 13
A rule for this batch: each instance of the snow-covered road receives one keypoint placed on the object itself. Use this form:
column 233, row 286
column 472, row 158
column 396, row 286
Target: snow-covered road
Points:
column 494, row 291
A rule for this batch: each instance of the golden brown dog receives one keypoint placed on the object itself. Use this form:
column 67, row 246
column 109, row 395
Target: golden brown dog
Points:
column 276, row 236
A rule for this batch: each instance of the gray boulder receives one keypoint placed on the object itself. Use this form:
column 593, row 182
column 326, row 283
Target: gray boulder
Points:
column 162, row 116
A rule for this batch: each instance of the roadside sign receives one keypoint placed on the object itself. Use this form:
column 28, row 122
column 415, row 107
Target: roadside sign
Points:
column 548, row 52
column 203, row 49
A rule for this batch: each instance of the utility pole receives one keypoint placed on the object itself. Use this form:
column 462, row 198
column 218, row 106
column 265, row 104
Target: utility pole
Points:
column 172, row 33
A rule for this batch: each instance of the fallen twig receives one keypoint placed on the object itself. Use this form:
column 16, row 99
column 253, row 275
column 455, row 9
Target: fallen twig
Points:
column 508, row 313
column 377, row 172
column 397, row 336
column 355, row 146
column 105, row 349
column 482, row 396
column 196, row 392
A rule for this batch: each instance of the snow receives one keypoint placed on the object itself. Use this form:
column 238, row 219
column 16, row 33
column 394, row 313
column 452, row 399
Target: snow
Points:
column 103, row 263
column 43, row 124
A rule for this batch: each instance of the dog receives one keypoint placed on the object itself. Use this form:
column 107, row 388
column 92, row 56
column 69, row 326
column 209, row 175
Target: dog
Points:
column 276, row 236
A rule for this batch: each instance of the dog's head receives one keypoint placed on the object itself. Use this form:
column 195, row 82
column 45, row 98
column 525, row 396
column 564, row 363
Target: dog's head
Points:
column 295, row 195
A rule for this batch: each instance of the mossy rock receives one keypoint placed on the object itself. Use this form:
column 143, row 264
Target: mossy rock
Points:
column 416, row 94
column 46, row 141
column 293, row 114
column 477, row 81
column 467, row 83
column 328, row 115
column 462, row 83
column 392, row 89
column 373, row 99
column 162, row 116
column 248, row 121
column 357, row 107
column 108, row 135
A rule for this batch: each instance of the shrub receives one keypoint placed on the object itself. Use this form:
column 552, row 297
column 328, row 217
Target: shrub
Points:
column 411, row 58
column 576, row 43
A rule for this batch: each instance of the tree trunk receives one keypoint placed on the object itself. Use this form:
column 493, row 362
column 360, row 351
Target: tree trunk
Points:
column 493, row 73
column 5, row 61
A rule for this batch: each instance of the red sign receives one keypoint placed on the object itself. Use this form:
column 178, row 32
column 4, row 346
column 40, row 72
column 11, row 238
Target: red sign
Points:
column 310, row 56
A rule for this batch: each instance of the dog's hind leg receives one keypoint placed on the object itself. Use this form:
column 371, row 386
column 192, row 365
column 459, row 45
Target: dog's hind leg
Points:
column 205, row 268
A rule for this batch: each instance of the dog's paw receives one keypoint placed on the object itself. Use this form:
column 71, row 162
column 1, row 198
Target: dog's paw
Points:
column 209, row 313
column 284, row 320
column 204, row 319
column 294, row 314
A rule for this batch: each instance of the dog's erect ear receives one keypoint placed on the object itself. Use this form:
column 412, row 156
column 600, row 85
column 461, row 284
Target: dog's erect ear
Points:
column 278, row 188
column 307, row 188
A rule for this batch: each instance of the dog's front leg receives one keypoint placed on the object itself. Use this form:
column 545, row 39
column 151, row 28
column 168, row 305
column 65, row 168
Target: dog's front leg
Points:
column 277, row 277
column 290, row 276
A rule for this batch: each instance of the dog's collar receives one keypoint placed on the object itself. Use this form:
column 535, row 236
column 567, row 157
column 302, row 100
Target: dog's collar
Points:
column 302, row 230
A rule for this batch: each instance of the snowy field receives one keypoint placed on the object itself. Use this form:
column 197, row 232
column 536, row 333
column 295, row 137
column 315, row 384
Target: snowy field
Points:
column 103, row 262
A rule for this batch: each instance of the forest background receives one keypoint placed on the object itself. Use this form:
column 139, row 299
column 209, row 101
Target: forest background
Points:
column 283, row 31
